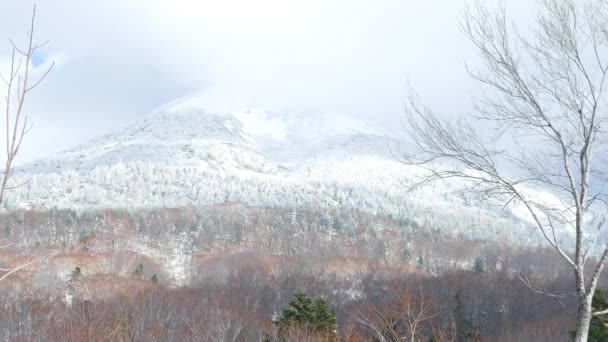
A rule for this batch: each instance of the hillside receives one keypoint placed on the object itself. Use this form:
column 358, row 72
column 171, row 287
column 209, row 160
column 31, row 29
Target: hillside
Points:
column 183, row 155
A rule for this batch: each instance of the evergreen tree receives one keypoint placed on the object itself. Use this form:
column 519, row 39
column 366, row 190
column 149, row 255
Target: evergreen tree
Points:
column 311, row 316
column 466, row 330
column 76, row 273
column 479, row 266
column 407, row 252
column 598, row 331
column 139, row 271
column 420, row 263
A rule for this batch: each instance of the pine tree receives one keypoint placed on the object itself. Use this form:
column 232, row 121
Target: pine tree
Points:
column 76, row 273
column 139, row 271
column 479, row 266
column 407, row 252
column 311, row 316
column 466, row 330
column 420, row 263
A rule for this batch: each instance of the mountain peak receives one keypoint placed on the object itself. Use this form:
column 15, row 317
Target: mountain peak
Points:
column 193, row 130
column 268, row 123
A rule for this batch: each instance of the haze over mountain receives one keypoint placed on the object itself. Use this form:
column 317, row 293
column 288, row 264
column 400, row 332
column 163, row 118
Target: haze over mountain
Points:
column 188, row 130
column 192, row 152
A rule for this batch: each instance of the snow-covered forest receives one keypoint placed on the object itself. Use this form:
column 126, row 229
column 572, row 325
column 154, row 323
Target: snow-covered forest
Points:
column 172, row 159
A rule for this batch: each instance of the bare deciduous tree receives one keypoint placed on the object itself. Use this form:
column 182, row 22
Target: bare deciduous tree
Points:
column 545, row 104
column 18, row 85
column 403, row 321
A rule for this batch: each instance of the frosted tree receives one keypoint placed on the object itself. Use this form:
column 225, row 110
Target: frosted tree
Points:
column 545, row 99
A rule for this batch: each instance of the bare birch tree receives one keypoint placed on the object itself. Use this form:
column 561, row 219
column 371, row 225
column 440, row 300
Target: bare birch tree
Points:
column 544, row 102
column 18, row 84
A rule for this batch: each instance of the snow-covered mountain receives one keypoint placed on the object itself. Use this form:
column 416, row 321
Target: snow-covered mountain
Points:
column 185, row 154
column 187, row 133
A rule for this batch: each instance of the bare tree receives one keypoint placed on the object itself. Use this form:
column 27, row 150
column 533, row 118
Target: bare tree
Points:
column 222, row 327
column 402, row 321
column 544, row 109
column 18, row 84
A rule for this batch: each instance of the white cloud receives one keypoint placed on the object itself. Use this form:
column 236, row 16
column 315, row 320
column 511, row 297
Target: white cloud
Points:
column 118, row 60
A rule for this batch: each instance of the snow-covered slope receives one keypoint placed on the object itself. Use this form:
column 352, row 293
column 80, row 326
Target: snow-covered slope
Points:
column 184, row 138
column 185, row 154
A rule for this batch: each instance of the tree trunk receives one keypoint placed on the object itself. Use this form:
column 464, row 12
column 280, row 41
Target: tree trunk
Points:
column 583, row 319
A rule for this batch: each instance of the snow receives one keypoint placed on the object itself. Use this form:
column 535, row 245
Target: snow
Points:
column 172, row 256
column 184, row 154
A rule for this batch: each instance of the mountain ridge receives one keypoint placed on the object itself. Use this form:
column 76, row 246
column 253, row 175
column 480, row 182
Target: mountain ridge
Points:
column 185, row 155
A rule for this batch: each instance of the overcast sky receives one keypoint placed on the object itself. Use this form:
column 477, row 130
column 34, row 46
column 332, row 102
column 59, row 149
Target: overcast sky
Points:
column 117, row 60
